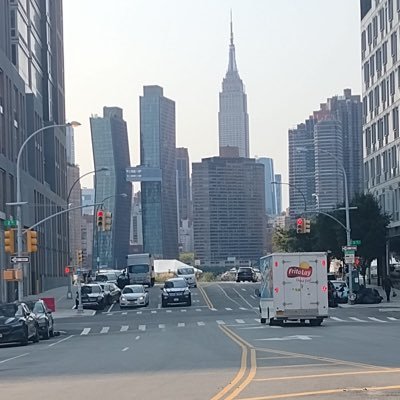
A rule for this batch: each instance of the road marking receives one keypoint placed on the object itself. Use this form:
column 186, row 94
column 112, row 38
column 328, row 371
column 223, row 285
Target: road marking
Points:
column 228, row 309
column 242, row 308
column 142, row 328
column 244, row 290
column 357, row 319
column 213, row 309
column 200, row 323
column 124, row 328
column 139, row 312
column 300, row 365
column 62, row 340
column 253, row 297
column 337, row 319
column 161, row 326
column 105, row 329
column 124, row 313
column 239, row 321
column 169, row 311
column 257, row 319
column 137, row 337
column 111, row 307
column 250, row 305
column 13, row 358
column 159, row 306
column 205, row 297
column 85, row 331
column 181, row 324
column 125, row 349
column 392, row 318
column 198, row 309
column 230, row 298
column 376, row 319
column 220, row 322
column 183, row 310
column 108, row 314
column 196, row 301
column 293, row 337
column 154, row 312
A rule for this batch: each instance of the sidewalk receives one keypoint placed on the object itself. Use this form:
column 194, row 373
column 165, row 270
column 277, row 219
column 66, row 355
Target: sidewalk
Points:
column 64, row 306
column 394, row 301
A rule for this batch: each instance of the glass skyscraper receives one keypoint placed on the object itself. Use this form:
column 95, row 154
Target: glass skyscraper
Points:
column 111, row 150
column 158, row 151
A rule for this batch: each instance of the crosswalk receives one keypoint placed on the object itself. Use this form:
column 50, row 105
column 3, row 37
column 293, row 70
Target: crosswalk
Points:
column 176, row 310
column 232, row 322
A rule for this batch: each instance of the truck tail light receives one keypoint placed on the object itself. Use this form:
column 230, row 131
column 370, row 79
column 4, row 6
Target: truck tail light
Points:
column 323, row 263
column 276, row 290
column 324, row 288
column 276, row 263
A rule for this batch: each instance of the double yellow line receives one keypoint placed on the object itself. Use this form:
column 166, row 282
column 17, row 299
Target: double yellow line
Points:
column 205, row 297
column 247, row 371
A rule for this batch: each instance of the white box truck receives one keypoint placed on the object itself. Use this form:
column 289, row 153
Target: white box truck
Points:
column 294, row 287
column 140, row 269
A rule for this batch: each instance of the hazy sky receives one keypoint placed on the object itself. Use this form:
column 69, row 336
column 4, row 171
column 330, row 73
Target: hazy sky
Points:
column 291, row 55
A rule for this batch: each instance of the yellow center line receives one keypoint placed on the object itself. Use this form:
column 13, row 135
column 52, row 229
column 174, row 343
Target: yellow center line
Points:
column 331, row 374
column 205, row 297
column 242, row 370
column 317, row 392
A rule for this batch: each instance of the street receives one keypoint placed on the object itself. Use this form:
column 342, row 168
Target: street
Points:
column 215, row 349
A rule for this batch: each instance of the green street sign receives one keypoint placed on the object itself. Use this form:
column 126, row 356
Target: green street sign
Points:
column 356, row 242
column 349, row 252
column 10, row 223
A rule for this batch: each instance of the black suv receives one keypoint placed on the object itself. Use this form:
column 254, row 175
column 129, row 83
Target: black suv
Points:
column 246, row 274
column 176, row 291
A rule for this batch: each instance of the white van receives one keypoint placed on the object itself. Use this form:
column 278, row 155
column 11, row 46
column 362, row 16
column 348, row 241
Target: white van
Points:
column 189, row 274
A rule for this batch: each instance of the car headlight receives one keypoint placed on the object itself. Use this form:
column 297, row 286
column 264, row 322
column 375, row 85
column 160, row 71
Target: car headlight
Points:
column 99, row 298
column 123, row 298
column 141, row 298
column 165, row 294
column 186, row 292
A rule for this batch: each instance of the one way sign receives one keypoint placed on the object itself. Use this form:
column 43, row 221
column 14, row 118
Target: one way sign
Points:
column 17, row 259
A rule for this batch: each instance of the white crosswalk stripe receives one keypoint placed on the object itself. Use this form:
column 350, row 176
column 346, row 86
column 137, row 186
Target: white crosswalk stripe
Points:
column 142, row 328
column 244, row 290
column 124, row 313
column 105, row 329
column 220, row 322
column 198, row 309
column 138, row 312
column 338, row 319
column 392, row 318
column 124, row 328
column 85, row 331
column 357, row 319
column 169, row 311
column 242, row 308
column 181, row 324
column 257, row 319
column 200, row 323
column 239, row 321
column 376, row 319
column 228, row 309
column 154, row 312
column 161, row 326
column 183, row 310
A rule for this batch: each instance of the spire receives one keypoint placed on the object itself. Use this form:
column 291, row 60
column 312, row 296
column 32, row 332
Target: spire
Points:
column 232, row 58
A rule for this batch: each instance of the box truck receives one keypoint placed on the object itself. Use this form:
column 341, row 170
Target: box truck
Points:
column 140, row 269
column 294, row 287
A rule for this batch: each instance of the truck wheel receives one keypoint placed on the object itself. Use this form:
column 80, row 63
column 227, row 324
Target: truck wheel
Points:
column 263, row 320
column 275, row 322
column 316, row 322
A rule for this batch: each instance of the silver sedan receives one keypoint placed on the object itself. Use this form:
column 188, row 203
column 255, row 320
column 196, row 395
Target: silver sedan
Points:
column 134, row 296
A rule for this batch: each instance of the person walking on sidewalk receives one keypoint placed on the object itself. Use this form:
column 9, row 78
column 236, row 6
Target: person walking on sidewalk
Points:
column 387, row 287
column 77, row 301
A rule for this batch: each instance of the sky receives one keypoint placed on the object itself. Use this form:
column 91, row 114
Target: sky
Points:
column 291, row 55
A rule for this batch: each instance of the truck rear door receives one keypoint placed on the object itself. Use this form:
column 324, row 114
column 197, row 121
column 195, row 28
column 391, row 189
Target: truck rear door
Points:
column 290, row 298
column 308, row 266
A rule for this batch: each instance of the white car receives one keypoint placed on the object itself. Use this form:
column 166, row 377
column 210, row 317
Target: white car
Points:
column 134, row 296
column 188, row 274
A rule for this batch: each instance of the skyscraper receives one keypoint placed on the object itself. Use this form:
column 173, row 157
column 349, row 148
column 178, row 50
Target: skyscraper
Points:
column 32, row 96
column 158, row 152
column 228, row 210
column 233, row 119
column 270, row 186
column 278, row 192
column 70, row 145
column 183, row 169
column 111, row 150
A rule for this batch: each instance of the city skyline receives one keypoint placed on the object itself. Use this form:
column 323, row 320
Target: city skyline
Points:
column 194, row 81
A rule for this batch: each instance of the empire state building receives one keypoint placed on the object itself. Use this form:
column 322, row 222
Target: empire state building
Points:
column 233, row 119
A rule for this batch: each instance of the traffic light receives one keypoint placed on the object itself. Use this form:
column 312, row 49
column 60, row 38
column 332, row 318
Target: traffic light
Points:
column 67, row 270
column 31, row 241
column 100, row 220
column 9, row 245
column 307, row 226
column 79, row 256
column 107, row 221
column 300, row 225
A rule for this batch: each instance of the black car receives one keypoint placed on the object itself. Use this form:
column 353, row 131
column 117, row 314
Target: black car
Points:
column 18, row 324
column 93, row 296
column 176, row 291
column 112, row 292
column 246, row 274
column 44, row 318
column 332, row 295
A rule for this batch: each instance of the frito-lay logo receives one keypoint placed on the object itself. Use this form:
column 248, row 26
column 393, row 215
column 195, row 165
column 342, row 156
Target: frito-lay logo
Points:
column 304, row 270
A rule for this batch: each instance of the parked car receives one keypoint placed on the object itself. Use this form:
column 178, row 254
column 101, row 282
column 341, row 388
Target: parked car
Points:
column 106, row 276
column 134, row 296
column 342, row 291
column 44, row 318
column 175, row 291
column 111, row 291
column 246, row 274
column 93, row 296
column 187, row 273
column 18, row 324
column 332, row 295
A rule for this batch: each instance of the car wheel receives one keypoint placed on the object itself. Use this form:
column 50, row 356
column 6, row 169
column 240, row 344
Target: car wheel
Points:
column 189, row 303
column 46, row 334
column 163, row 304
column 52, row 331
column 263, row 320
column 25, row 339
column 36, row 338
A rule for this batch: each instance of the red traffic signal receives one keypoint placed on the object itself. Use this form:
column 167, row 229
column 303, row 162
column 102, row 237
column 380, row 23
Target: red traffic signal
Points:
column 100, row 213
column 67, row 270
column 300, row 225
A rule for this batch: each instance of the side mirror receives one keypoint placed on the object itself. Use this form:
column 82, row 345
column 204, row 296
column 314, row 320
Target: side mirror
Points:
column 257, row 293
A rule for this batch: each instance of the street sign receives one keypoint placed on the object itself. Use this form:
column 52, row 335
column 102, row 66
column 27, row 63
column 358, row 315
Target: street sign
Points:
column 349, row 252
column 349, row 248
column 23, row 259
column 356, row 242
column 10, row 223
column 349, row 258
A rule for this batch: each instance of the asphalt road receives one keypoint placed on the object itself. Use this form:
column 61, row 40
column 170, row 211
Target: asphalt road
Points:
column 215, row 349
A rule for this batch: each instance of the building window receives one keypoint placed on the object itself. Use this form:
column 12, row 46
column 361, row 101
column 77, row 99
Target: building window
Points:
column 371, row 101
column 375, row 27
column 393, row 46
column 383, row 91
column 373, row 133
column 382, row 19
column 390, row 9
column 372, row 65
column 377, row 98
column 363, row 43
column 392, row 83
column 366, row 74
column 378, row 60
column 398, row 5
column 384, row 53
column 395, row 121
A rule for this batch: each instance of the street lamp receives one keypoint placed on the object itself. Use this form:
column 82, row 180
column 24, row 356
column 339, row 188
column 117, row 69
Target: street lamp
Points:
column 295, row 187
column 69, row 292
column 19, row 202
column 124, row 195
column 347, row 209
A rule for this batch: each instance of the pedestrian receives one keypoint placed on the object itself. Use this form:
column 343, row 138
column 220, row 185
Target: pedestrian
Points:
column 387, row 287
column 77, row 300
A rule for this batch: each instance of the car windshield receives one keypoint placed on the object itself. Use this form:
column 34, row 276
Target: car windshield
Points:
column 8, row 310
column 244, row 269
column 138, row 269
column 175, row 284
column 185, row 271
column 91, row 289
column 133, row 289
column 102, row 278
column 38, row 308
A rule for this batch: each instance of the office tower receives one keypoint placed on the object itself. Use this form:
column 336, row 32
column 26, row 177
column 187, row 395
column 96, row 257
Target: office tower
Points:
column 329, row 188
column 88, row 197
column 183, row 169
column 278, row 192
column 136, row 236
column 70, row 145
column 233, row 120
column 270, row 185
column 32, row 96
column 380, row 22
column 158, row 153
column 228, row 210
column 111, row 151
